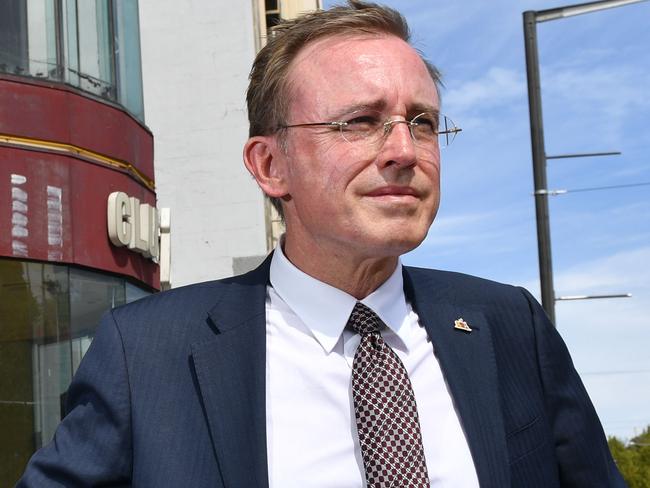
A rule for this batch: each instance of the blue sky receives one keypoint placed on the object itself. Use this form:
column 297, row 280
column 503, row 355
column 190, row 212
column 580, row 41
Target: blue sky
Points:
column 595, row 77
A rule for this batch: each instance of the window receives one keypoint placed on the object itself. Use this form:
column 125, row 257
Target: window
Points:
column 93, row 45
column 13, row 36
column 48, row 315
column 272, row 13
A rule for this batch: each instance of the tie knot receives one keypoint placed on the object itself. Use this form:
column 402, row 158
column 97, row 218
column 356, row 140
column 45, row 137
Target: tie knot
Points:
column 363, row 320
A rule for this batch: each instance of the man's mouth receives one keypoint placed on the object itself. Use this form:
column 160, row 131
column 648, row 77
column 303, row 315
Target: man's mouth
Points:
column 393, row 191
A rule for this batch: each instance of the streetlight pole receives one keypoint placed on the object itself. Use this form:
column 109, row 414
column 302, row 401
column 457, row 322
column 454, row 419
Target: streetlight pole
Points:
column 539, row 165
column 531, row 18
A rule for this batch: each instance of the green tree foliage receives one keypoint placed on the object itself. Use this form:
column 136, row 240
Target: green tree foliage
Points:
column 633, row 459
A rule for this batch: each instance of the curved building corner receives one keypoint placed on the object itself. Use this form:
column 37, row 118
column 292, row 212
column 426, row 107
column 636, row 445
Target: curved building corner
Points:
column 76, row 161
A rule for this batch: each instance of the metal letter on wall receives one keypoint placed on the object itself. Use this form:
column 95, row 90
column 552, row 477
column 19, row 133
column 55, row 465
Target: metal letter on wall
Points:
column 119, row 219
column 140, row 236
column 135, row 225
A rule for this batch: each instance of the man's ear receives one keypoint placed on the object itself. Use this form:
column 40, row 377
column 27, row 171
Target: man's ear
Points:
column 265, row 160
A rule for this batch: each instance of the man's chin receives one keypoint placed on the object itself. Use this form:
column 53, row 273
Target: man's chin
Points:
column 406, row 232
column 398, row 243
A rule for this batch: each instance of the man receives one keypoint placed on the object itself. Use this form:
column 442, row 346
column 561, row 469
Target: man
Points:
column 331, row 364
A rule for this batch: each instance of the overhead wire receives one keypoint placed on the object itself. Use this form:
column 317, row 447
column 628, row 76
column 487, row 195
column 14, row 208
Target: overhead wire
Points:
column 610, row 187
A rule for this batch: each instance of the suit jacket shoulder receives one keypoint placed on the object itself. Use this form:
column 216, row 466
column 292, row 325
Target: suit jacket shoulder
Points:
column 180, row 310
column 460, row 287
column 518, row 394
column 170, row 393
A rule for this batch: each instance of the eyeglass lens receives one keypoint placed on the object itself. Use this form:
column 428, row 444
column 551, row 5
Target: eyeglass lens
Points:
column 424, row 129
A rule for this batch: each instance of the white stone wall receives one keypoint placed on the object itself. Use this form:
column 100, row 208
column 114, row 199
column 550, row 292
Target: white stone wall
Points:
column 195, row 61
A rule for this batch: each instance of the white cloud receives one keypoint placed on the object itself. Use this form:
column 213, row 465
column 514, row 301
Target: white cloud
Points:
column 613, row 273
column 617, row 272
column 609, row 338
column 614, row 88
column 452, row 231
column 497, row 88
column 614, row 98
column 622, row 401
column 460, row 222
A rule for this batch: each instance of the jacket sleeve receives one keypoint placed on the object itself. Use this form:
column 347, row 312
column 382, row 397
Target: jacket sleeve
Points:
column 92, row 444
column 580, row 443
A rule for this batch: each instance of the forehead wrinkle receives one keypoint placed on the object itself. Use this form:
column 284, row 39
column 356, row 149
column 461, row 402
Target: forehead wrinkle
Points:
column 299, row 72
column 315, row 47
column 377, row 105
column 312, row 59
column 306, row 53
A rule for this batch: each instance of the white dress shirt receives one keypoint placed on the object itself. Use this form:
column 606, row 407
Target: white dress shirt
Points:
column 311, row 430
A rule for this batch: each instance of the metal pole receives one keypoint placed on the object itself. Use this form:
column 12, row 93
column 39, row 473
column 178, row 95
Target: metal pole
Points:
column 585, row 155
column 594, row 297
column 579, row 9
column 539, row 165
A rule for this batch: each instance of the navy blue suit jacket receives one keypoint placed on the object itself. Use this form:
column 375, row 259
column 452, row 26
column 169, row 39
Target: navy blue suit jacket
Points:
column 172, row 390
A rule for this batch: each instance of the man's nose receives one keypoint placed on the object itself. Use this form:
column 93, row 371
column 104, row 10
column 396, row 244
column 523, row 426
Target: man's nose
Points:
column 398, row 147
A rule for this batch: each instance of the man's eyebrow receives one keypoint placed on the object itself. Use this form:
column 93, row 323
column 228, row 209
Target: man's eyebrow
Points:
column 380, row 105
column 377, row 105
column 423, row 107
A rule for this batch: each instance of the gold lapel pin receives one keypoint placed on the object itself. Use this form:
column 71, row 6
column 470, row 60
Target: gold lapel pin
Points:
column 460, row 324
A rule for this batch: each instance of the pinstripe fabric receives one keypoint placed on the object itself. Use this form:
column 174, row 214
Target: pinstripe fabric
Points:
column 166, row 401
column 528, row 418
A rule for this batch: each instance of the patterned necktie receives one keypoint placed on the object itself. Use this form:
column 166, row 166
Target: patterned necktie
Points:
column 385, row 409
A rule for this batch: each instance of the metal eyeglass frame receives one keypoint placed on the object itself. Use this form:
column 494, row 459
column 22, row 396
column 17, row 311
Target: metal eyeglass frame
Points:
column 388, row 126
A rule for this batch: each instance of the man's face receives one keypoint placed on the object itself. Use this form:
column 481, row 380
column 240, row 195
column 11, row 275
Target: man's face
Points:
column 360, row 199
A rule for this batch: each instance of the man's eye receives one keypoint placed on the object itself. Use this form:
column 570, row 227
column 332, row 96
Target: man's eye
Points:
column 362, row 122
column 426, row 123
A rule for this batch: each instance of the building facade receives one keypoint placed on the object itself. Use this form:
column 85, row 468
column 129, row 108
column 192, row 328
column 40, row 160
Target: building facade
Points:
column 72, row 144
column 79, row 227
column 195, row 73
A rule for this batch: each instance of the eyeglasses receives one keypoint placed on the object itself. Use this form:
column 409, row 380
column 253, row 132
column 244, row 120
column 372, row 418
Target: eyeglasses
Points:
column 427, row 130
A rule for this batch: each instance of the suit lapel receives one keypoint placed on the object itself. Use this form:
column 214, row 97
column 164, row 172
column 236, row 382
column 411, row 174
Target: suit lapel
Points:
column 468, row 364
column 230, row 369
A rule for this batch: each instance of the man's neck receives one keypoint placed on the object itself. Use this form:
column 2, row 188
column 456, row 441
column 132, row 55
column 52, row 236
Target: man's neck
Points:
column 356, row 276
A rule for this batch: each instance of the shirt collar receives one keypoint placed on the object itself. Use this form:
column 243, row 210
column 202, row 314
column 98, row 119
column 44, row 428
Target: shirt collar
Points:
column 325, row 310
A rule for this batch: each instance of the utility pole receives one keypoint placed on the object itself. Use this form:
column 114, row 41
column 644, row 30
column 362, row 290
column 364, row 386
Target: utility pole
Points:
column 539, row 165
column 531, row 18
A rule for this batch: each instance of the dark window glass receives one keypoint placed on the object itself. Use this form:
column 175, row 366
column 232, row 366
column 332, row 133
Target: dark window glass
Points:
column 93, row 45
column 272, row 19
column 91, row 294
column 13, row 36
column 35, row 358
column 48, row 316
column 128, row 62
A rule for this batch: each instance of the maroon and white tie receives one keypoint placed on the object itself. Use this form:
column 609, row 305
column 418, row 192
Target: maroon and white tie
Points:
column 385, row 409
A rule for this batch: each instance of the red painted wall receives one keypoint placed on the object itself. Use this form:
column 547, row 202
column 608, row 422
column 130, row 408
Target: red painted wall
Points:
column 76, row 230
column 62, row 114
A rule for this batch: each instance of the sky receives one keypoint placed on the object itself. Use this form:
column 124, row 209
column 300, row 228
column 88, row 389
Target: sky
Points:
column 595, row 79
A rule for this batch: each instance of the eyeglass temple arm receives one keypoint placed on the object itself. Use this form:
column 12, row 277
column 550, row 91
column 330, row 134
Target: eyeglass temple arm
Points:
column 316, row 124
